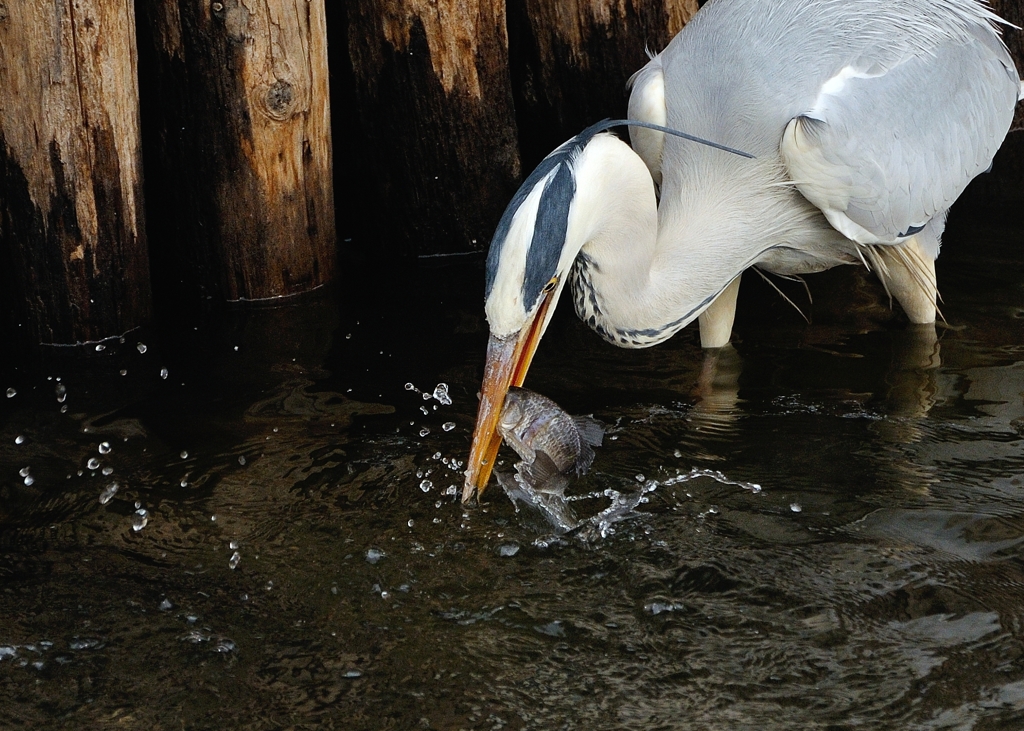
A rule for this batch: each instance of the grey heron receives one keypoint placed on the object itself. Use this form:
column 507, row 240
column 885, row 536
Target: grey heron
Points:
column 866, row 120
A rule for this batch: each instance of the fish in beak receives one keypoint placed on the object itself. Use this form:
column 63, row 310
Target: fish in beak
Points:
column 508, row 360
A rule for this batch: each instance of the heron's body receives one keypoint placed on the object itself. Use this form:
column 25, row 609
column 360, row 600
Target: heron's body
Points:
column 908, row 101
column 867, row 120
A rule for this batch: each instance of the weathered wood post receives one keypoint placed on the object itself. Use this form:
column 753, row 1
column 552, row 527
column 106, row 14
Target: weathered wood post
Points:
column 235, row 92
column 572, row 58
column 73, row 262
column 437, row 121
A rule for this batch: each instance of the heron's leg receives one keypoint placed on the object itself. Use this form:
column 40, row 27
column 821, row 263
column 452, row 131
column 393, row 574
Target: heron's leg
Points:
column 911, row 280
column 716, row 321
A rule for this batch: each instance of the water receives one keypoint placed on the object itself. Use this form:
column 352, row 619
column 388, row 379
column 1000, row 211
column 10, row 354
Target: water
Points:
column 821, row 528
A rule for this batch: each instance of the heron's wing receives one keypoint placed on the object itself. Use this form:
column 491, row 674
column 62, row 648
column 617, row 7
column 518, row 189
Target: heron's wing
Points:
column 647, row 104
column 884, row 150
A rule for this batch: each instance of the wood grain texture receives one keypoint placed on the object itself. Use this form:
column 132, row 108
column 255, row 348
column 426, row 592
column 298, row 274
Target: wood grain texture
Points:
column 72, row 241
column 572, row 59
column 436, row 118
column 236, row 93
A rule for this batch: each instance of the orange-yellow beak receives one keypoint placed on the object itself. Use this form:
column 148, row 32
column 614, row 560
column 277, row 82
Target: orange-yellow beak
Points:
column 508, row 359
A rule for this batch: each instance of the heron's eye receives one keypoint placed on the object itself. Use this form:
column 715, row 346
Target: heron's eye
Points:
column 551, row 285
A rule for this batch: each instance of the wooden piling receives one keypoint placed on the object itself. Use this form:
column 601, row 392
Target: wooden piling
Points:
column 437, row 121
column 73, row 262
column 572, row 58
column 235, row 93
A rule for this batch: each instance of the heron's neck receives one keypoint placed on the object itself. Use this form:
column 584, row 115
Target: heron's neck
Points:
column 644, row 272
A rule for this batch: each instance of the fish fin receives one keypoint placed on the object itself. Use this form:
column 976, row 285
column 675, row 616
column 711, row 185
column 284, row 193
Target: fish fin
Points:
column 585, row 459
column 591, row 430
column 543, row 474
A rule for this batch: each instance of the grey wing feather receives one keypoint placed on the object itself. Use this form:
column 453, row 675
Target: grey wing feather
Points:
column 883, row 151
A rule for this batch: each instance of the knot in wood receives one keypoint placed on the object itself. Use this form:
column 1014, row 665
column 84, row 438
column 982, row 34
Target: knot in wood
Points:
column 3, row 12
column 279, row 100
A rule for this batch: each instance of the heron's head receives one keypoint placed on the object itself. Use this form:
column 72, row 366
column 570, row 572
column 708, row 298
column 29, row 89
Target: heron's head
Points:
column 528, row 265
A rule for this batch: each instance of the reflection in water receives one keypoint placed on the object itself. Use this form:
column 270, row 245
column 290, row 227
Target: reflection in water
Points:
column 304, row 560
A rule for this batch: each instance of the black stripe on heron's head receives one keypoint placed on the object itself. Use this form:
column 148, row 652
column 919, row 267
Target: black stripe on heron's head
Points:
column 552, row 217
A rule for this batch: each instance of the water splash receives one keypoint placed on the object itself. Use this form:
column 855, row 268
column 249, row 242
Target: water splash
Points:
column 623, row 505
column 108, row 493
column 441, row 394
column 140, row 518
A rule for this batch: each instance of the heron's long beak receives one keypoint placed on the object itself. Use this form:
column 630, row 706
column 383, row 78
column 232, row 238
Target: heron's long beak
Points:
column 508, row 359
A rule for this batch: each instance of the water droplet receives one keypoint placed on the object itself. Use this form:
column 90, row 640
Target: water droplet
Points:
column 164, row 373
column 233, row 545
column 24, row 471
column 640, row 478
column 353, row 674
column 373, row 555
column 410, row 387
column 410, row 524
column 141, row 347
column 108, row 493
column 107, row 471
column 508, row 549
column 437, row 455
column 426, row 485
column 29, row 480
column 424, row 431
column 795, row 507
column 236, row 557
column 213, row 518
column 139, row 519
column 241, row 460
column 448, row 425
column 19, row 439
column 677, row 453
column 12, row 392
column 425, row 410
column 61, row 392
column 441, row 394
column 93, row 463
column 184, row 454
column 104, row 448
column 166, row 606
column 100, row 347
column 451, row 490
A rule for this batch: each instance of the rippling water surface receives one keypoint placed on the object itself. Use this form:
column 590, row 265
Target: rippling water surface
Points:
column 819, row 528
